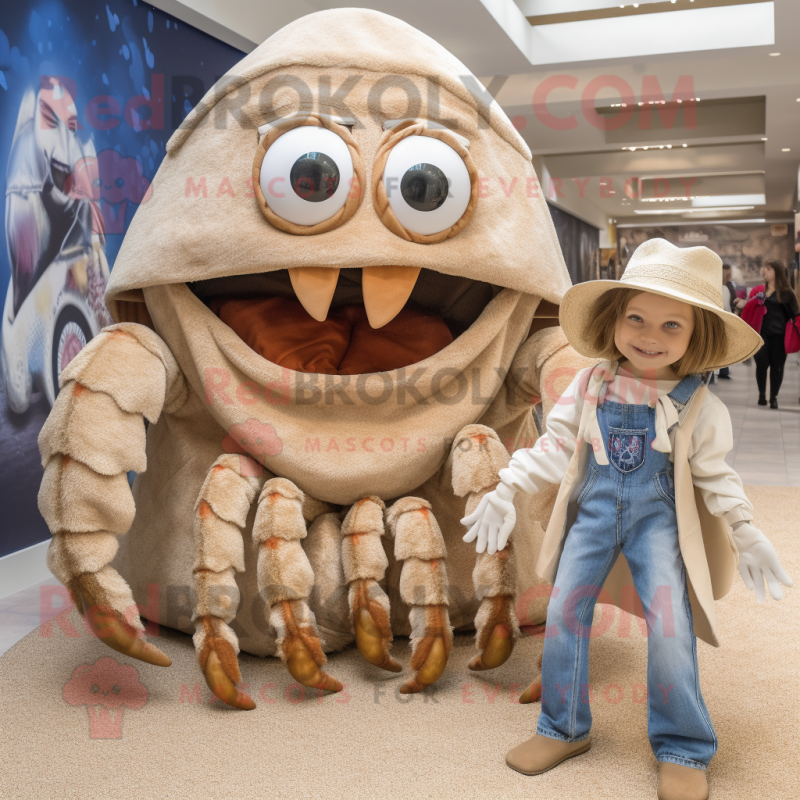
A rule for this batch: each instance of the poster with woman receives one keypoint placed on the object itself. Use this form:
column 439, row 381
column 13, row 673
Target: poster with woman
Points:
column 90, row 92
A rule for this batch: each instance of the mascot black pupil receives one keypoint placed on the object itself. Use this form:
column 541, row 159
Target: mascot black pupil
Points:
column 314, row 177
column 424, row 187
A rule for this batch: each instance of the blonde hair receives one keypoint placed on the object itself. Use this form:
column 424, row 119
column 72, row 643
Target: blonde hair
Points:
column 707, row 347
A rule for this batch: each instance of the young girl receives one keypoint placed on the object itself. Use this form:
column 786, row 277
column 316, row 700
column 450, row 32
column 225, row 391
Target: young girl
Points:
column 653, row 434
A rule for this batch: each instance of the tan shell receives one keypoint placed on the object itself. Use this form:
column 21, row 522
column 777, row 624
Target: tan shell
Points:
column 203, row 219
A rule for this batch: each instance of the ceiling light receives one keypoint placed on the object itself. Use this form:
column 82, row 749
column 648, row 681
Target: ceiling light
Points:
column 786, row 149
column 718, row 208
column 690, row 210
column 774, row 54
column 741, row 200
column 685, row 145
column 661, row 211
column 763, row 138
column 681, row 198
column 728, row 221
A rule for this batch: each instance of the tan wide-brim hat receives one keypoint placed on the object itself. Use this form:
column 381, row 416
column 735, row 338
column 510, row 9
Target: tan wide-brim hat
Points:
column 690, row 274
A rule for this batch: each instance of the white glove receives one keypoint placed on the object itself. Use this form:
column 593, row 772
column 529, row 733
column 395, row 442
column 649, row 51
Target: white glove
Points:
column 493, row 520
column 757, row 555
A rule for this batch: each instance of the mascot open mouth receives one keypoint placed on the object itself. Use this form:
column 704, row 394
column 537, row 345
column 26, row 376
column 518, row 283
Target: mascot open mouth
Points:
column 272, row 313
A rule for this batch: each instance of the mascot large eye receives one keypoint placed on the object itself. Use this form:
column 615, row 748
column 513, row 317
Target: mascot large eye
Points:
column 425, row 183
column 306, row 175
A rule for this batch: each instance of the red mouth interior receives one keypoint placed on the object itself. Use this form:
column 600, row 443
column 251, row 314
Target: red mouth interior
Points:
column 264, row 312
column 282, row 331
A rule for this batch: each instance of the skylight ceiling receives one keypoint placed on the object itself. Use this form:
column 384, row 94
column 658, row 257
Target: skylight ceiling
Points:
column 548, row 12
column 589, row 30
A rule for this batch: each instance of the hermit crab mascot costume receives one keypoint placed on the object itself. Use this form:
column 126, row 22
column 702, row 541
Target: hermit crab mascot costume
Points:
column 334, row 315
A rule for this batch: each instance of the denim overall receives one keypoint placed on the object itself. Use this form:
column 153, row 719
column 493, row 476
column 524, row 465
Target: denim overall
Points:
column 628, row 506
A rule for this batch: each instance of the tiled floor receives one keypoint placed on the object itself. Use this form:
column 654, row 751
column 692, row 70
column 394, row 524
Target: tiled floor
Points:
column 766, row 450
column 766, row 443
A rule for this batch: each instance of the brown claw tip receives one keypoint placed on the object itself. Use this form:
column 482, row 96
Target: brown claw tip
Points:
column 497, row 651
column 223, row 687
column 431, row 669
column 412, row 686
column 391, row 665
column 330, row 684
column 241, row 701
column 159, row 659
column 532, row 693
column 306, row 671
column 372, row 644
column 118, row 634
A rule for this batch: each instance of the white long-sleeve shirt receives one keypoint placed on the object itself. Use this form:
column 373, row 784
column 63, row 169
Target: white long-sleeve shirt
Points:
column 546, row 462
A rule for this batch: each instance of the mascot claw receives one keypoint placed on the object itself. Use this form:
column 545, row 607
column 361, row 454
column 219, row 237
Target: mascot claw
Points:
column 532, row 693
column 223, row 687
column 108, row 626
column 305, row 670
column 497, row 651
column 431, row 669
column 372, row 645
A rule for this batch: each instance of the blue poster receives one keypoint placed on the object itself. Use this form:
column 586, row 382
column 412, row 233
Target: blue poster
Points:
column 90, row 92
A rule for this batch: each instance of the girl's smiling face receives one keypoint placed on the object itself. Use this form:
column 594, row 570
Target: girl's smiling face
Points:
column 654, row 333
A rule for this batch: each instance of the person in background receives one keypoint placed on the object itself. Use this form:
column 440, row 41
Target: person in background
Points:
column 780, row 302
column 731, row 303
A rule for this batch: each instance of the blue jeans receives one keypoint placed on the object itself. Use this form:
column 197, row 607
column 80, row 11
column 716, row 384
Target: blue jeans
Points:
column 627, row 506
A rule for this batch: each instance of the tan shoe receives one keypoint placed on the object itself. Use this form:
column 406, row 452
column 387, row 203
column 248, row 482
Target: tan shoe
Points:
column 676, row 782
column 542, row 753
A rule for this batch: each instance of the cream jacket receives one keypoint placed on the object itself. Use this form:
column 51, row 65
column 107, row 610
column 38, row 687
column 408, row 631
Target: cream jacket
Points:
column 708, row 493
